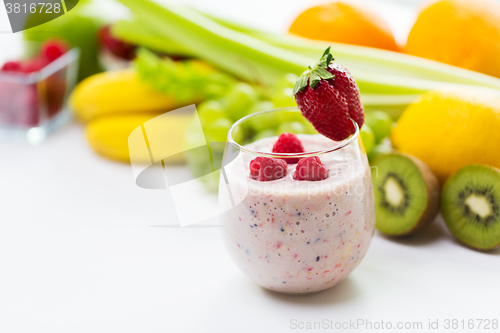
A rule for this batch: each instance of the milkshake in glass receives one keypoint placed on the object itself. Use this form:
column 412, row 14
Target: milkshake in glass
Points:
column 296, row 236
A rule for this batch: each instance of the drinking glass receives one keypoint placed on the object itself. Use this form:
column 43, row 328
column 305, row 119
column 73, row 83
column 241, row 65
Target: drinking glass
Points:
column 295, row 236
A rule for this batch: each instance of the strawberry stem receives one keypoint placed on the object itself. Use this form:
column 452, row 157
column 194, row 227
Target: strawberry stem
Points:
column 315, row 74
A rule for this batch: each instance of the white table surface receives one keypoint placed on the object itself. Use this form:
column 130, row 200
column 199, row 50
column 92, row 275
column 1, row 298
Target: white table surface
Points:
column 82, row 250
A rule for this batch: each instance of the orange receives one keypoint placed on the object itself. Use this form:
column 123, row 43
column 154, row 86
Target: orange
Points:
column 344, row 22
column 462, row 33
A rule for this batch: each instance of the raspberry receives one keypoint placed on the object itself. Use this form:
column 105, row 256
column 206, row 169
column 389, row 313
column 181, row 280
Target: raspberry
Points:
column 288, row 143
column 267, row 168
column 11, row 66
column 328, row 96
column 53, row 49
column 311, row 169
column 33, row 65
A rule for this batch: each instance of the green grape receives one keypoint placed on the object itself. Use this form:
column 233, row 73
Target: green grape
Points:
column 379, row 150
column 264, row 121
column 283, row 97
column 217, row 130
column 368, row 137
column 381, row 124
column 282, row 116
column 265, row 134
column 294, row 127
column 240, row 100
column 239, row 134
column 192, row 136
column 209, row 111
column 287, row 81
column 262, row 106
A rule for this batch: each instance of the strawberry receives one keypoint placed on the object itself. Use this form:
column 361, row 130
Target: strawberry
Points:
column 311, row 169
column 267, row 168
column 328, row 96
column 288, row 143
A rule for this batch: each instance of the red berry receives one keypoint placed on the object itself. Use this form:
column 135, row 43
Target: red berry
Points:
column 328, row 96
column 11, row 66
column 311, row 169
column 326, row 108
column 117, row 47
column 33, row 65
column 346, row 84
column 288, row 143
column 53, row 49
column 267, row 168
column 26, row 105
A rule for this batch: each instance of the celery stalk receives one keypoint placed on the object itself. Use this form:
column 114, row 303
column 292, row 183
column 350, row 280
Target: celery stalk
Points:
column 371, row 59
column 382, row 61
column 237, row 53
column 384, row 77
column 137, row 33
column 242, row 55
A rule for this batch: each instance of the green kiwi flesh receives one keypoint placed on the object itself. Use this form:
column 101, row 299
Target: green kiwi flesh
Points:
column 406, row 194
column 471, row 206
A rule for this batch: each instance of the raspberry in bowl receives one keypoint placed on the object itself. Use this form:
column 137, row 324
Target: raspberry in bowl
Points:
column 33, row 92
column 299, row 218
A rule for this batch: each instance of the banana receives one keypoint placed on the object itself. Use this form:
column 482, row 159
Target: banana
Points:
column 109, row 136
column 118, row 92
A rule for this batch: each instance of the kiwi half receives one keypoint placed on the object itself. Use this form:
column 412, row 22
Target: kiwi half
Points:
column 406, row 194
column 471, row 206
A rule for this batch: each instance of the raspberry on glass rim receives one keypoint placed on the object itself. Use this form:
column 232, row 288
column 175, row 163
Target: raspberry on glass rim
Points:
column 328, row 96
column 288, row 143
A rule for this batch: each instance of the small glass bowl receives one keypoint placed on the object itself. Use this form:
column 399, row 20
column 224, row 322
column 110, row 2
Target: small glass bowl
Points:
column 32, row 105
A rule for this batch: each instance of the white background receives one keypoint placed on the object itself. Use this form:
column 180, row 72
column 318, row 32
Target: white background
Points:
column 82, row 249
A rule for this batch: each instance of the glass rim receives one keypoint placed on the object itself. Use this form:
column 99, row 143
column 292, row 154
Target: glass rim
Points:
column 71, row 56
column 339, row 144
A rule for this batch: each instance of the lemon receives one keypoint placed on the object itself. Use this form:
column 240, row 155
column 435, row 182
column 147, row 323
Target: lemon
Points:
column 450, row 129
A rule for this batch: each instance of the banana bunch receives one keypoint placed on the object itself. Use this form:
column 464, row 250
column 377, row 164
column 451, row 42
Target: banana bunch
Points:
column 113, row 104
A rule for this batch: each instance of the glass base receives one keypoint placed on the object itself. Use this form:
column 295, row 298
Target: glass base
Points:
column 35, row 135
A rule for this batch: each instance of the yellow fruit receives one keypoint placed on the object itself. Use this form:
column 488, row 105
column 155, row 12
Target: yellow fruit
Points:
column 109, row 137
column 462, row 33
column 344, row 22
column 450, row 129
column 117, row 92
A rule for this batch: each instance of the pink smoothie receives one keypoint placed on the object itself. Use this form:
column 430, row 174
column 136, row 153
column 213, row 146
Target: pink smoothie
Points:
column 299, row 236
